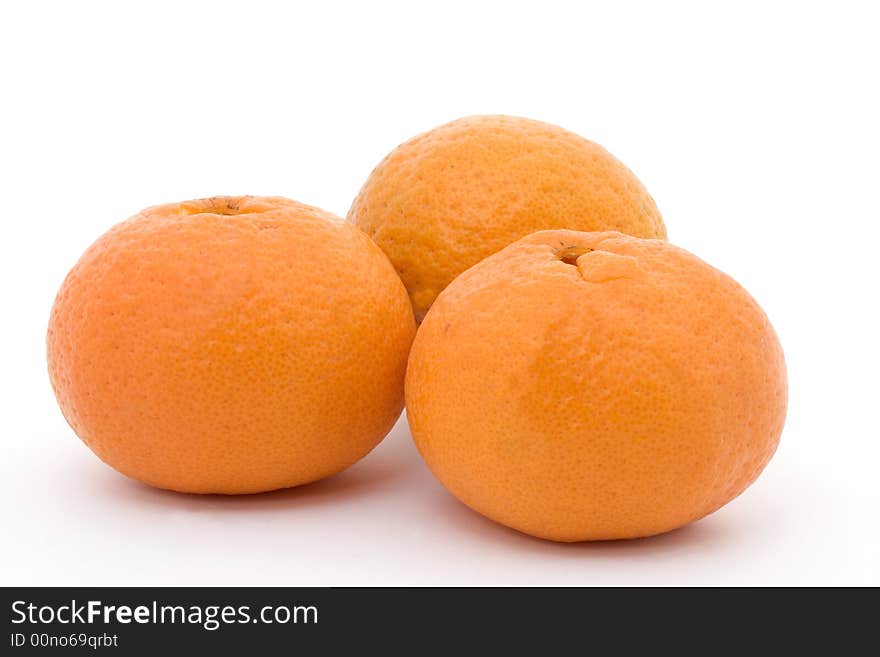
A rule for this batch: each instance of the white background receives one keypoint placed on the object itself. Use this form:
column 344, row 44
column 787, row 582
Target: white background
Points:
column 755, row 128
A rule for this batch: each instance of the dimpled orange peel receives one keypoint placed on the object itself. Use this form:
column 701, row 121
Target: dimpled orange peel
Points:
column 581, row 386
column 231, row 345
column 448, row 198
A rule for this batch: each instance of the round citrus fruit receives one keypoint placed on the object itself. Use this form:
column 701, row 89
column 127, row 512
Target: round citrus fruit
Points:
column 582, row 386
column 448, row 198
column 231, row 345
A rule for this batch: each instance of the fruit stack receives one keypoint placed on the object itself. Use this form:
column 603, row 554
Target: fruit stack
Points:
column 566, row 371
